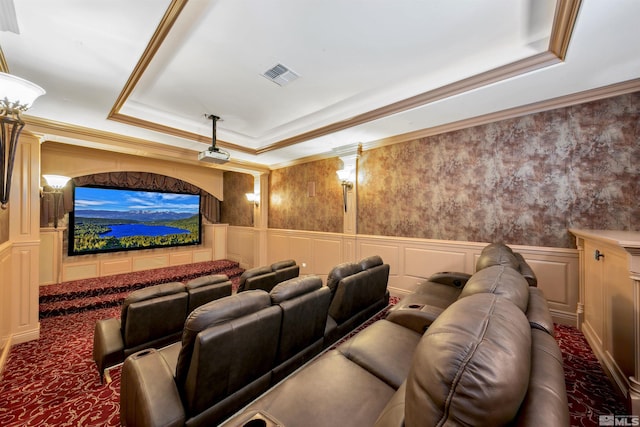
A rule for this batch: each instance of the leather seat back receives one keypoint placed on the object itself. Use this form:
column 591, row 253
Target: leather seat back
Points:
column 153, row 316
column 357, row 286
column 497, row 254
column 285, row 270
column 228, row 347
column 257, row 278
column 500, row 280
column 204, row 289
column 305, row 306
column 501, row 254
column 472, row 365
column 338, row 273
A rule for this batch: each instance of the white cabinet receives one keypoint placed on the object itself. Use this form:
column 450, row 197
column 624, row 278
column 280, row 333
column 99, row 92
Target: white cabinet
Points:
column 609, row 304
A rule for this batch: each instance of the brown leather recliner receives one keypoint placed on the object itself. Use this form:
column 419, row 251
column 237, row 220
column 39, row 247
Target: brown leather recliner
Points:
column 205, row 289
column 480, row 363
column 305, row 307
column 149, row 317
column 153, row 317
column 266, row 277
column 359, row 290
column 441, row 290
column 225, row 359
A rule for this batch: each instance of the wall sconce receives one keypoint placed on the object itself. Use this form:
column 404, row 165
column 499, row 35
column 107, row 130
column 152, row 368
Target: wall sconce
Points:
column 16, row 96
column 253, row 198
column 57, row 182
column 345, row 180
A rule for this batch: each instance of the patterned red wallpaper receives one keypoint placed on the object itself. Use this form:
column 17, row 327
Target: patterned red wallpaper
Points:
column 235, row 209
column 306, row 197
column 521, row 181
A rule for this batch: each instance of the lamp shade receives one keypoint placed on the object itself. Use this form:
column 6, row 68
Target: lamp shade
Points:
column 344, row 174
column 19, row 92
column 56, row 181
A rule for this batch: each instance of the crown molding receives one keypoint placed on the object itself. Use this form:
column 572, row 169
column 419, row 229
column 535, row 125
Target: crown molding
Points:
column 564, row 20
column 49, row 130
column 609, row 91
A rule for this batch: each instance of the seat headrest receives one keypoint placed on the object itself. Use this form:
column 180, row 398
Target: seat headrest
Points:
column 500, row 280
column 370, row 261
column 294, row 287
column 341, row 271
column 472, row 365
column 148, row 293
column 252, row 272
column 283, row 264
column 214, row 313
column 497, row 254
column 211, row 279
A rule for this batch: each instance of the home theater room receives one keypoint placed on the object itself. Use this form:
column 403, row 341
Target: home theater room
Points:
column 287, row 213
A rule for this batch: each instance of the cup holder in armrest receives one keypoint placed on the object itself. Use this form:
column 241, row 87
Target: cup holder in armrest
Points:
column 414, row 306
column 261, row 419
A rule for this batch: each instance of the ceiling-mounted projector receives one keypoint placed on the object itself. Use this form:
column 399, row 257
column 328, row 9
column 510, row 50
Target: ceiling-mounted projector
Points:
column 214, row 154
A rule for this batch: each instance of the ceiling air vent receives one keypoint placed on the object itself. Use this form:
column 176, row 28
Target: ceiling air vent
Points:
column 280, row 75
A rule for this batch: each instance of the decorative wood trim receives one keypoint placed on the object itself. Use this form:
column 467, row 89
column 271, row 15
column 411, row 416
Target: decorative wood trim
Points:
column 118, row 143
column 563, row 23
column 4, row 67
column 4, row 355
column 566, row 12
column 169, row 18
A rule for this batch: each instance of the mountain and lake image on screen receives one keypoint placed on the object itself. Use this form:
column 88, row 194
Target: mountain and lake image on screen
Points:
column 116, row 219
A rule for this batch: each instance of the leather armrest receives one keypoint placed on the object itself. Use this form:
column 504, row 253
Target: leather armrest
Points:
column 417, row 317
column 149, row 396
column 108, row 346
column 538, row 312
column 526, row 270
column 451, row 278
column 393, row 413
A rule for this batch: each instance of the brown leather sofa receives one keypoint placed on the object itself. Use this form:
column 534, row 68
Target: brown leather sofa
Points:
column 439, row 291
column 232, row 350
column 482, row 361
column 152, row 317
column 266, row 277
column 358, row 291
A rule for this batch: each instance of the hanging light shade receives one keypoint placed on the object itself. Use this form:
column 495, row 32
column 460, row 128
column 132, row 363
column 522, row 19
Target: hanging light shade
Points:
column 17, row 92
column 16, row 96
column 56, row 181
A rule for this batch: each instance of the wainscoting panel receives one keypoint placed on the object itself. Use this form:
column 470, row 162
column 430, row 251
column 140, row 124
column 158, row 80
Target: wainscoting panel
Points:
column 327, row 254
column 413, row 260
column 181, row 258
column 150, row 262
column 80, row 270
column 5, row 295
column 116, row 266
column 240, row 245
column 214, row 247
column 203, row 255
column 421, row 262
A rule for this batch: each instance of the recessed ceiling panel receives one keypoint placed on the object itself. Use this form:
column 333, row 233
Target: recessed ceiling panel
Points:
column 352, row 57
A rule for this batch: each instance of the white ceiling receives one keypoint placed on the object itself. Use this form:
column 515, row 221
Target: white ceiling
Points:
column 356, row 59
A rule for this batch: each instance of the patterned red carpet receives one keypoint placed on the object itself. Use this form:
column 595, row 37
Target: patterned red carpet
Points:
column 102, row 292
column 54, row 382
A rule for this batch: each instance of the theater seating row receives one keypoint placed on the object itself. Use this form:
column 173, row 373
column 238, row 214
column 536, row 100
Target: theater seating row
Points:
column 486, row 357
column 266, row 277
column 235, row 348
column 153, row 317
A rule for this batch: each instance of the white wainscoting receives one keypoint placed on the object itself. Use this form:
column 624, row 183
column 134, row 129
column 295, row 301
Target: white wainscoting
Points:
column 411, row 260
